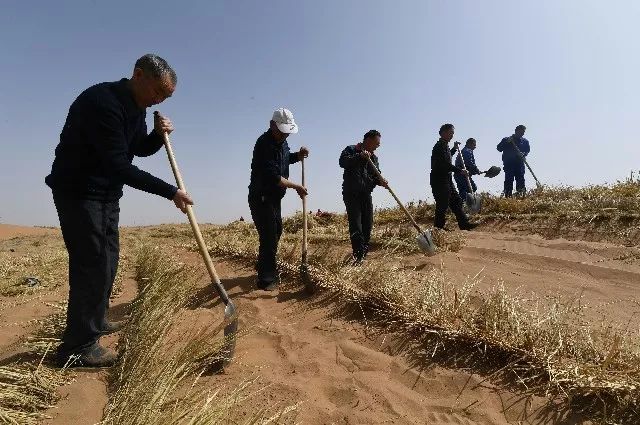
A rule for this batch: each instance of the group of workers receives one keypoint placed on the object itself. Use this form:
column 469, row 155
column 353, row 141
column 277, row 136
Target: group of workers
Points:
column 105, row 129
column 514, row 150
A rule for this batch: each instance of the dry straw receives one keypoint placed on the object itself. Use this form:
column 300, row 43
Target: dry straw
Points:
column 48, row 266
column 544, row 344
column 27, row 390
column 156, row 380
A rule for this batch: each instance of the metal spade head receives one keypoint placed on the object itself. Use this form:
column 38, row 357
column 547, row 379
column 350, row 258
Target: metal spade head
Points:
column 306, row 278
column 474, row 202
column 493, row 171
column 230, row 329
column 425, row 243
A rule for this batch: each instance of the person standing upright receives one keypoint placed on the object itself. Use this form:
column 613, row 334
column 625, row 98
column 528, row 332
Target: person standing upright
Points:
column 358, row 181
column 472, row 168
column 268, row 185
column 444, row 192
column 513, row 163
column 105, row 128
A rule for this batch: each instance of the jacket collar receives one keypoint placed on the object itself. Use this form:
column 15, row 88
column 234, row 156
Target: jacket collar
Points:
column 125, row 95
column 272, row 141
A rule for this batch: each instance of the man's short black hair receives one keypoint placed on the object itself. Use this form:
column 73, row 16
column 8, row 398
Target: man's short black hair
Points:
column 470, row 141
column 521, row 127
column 156, row 67
column 445, row 127
column 371, row 133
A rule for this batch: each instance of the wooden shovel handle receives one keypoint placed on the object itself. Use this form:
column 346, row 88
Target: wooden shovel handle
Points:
column 194, row 223
column 513, row 142
column 304, row 217
column 464, row 166
column 400, row 204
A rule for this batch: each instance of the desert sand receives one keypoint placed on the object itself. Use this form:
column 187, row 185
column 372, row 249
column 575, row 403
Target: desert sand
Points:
column 304, row 351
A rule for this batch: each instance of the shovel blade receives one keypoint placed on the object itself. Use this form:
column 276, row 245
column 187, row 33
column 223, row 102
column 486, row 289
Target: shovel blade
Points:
column 230, row 330
column 474, row 202
column 493, row 171
column 425, row 243
column 306, row 278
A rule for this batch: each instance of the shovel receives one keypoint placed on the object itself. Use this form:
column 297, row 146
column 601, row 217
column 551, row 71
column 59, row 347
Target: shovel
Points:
column 424, row 240
column 230, row 312
column 304, row 267
column 492, row 171
column 474, row 202
column 525, row 162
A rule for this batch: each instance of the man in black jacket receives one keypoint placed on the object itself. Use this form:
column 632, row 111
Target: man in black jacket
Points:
column 105, row 128
column 269, row 182
column 359, row 180
column 442, row 187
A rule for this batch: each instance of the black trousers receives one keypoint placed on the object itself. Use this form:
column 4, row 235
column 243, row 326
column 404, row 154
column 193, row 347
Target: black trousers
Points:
column 463, row 187
column 513, row 171
column 267, row 217
column 446, row 197
column 360, row 217
column 90, row 232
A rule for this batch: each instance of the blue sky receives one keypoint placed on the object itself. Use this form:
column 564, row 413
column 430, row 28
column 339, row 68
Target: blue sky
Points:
column 568, row 70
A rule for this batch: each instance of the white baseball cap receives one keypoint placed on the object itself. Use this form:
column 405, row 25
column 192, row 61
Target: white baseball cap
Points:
column 284, row 120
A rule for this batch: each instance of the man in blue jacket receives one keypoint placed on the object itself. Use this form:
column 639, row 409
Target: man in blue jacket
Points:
column 105, row 128
column 268, row 185
column 470, row 164
column 359, row 180
column 513, row 164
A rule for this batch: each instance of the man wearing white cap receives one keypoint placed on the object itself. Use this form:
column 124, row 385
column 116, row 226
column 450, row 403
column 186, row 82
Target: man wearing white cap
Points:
column 269, row 182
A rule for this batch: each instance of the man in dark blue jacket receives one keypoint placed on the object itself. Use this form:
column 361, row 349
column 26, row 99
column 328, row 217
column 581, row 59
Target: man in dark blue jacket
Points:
column 105, row 128
column 359, row 180
column 470, row 164
column 513, row 163
column 441, row 182
column 269, row 182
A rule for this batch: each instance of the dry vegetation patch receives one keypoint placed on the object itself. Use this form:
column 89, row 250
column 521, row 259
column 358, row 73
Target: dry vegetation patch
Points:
column 156, row 380
column 31, row 263
column 27, row 389
column 544, row 345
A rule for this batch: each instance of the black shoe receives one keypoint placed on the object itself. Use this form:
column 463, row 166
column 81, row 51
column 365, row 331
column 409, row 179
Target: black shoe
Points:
column 94, row 356
column 267, row 286
column 112, row 327
column 468, row 226
column 357, row 258
column 357, row 261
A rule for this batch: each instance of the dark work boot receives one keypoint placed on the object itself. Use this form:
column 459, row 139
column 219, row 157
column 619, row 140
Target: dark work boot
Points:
column 468, row 226
column 267, row 286
column 110, row 327
column 94, row 356
column 357, row 258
